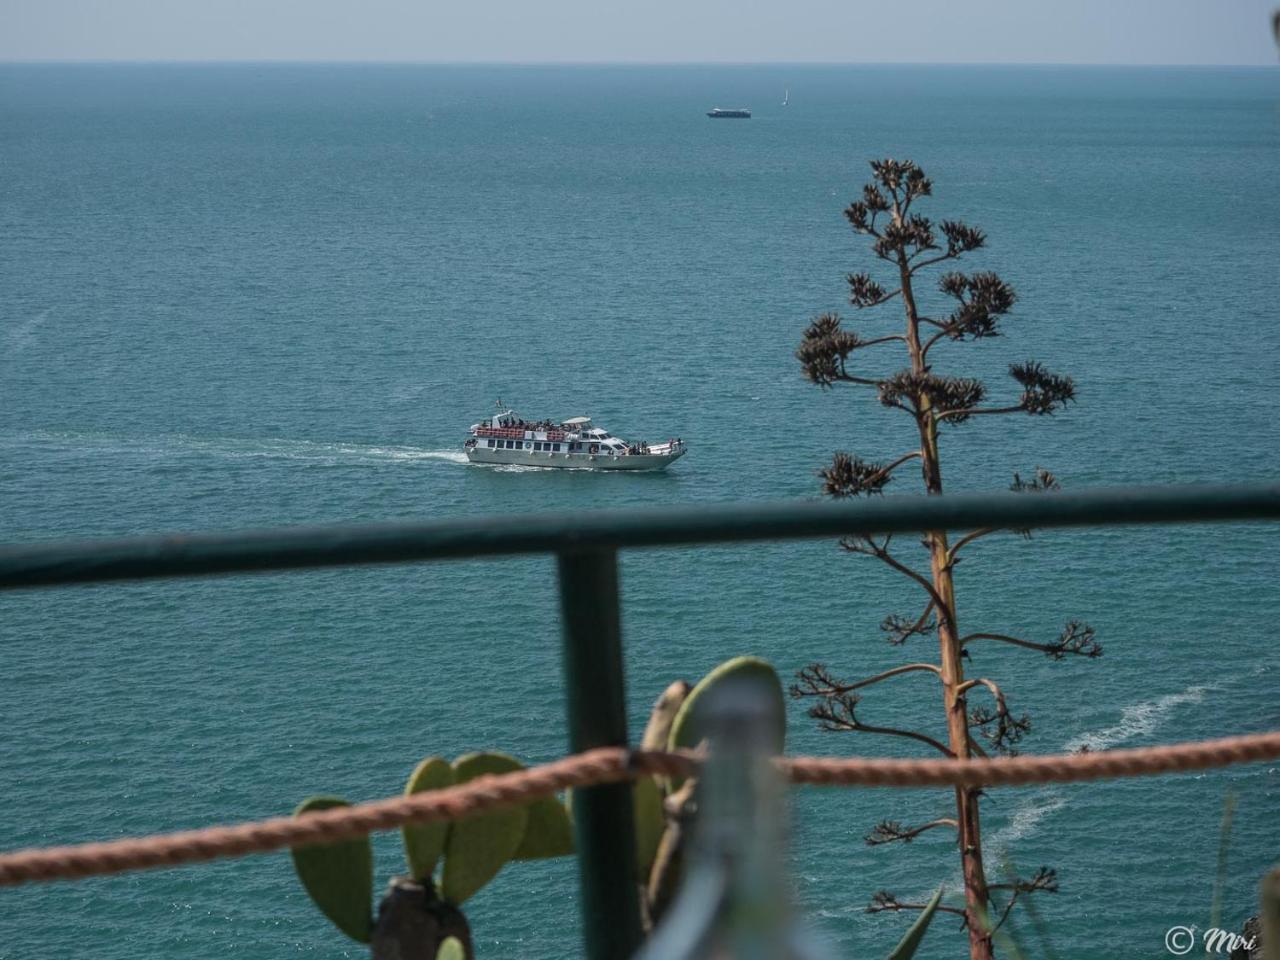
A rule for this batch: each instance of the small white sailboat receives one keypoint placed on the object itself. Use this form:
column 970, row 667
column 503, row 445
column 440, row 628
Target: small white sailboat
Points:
column 786, row 96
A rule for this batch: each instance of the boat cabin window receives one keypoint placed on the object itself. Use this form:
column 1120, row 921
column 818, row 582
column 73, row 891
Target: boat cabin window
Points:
column 488, row 443
column 555, row 447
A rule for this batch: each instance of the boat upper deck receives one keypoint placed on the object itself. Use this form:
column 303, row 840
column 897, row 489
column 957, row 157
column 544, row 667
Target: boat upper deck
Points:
column 507, row 425
column 519, row 433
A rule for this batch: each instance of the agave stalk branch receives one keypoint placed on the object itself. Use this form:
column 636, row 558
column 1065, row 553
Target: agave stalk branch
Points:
column 977, row 412
column 892, row 832
column 906, row 668
column 989, row 684
column 834, row 722
column 882, row 553
column 1007, row 909
column 1003, row 638
column 967, row 539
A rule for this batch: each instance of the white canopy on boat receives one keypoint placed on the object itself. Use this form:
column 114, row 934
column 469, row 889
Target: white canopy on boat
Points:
column 576, row 421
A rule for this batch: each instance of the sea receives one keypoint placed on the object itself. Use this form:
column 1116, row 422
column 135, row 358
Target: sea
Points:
column 265, row 295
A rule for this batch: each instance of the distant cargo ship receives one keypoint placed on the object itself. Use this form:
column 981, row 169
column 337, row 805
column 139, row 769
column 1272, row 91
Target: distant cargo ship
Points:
column 738, row 114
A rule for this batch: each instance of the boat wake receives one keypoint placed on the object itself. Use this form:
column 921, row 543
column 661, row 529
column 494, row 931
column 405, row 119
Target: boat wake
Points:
column 181, row 445
column 1136, row 721
column 22, row 335
column 1026, row 817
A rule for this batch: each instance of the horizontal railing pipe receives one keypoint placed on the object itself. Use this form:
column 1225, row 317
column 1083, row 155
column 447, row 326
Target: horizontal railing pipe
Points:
column 184, row 555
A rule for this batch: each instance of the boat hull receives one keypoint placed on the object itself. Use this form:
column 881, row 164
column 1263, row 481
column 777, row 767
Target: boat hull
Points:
column 636, row 462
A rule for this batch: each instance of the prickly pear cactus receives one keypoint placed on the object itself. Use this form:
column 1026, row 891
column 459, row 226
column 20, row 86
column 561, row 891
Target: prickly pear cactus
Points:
column 650, row 821
column 476, row 848
column 549, row 832
column 667, row 871
column 658, row 730
column 338, row 876
column 424, row 842
column 686, row 730
column 646, row 798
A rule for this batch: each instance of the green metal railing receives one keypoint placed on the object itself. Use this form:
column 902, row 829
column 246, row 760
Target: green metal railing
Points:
column 586, row 546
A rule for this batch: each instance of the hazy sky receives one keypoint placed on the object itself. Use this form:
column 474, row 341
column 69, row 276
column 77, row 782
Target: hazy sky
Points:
column 860, row 31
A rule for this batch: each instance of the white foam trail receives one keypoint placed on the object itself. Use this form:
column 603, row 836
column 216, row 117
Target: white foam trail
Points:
column 23, row 334
column 330, row 454
column 1137, row 720
column 1026, row 817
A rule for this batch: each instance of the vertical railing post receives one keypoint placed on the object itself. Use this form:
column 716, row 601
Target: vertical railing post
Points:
column 603, row 819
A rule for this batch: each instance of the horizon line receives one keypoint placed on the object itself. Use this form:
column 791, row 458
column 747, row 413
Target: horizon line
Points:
column 248, row 61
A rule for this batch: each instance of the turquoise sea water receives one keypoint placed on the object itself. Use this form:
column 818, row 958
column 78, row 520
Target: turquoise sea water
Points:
column 260, row 295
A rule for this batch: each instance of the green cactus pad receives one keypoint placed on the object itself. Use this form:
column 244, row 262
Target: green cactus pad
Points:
column 646, row 797
column 451, row 949
column 649, row 818
column 658, row 730
column 686, row 730
column 477, row 847
column 549, row 832
column 338, row 876
column 424, row 842
column 906, row 948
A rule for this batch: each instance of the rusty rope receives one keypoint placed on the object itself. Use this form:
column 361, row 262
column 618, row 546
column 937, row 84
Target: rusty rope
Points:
column 604, row 765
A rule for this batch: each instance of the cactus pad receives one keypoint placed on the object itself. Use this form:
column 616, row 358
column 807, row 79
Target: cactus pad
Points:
column 646, row 797
column 549, row 832
column 650, row 821
column 338, row 876
column 477, row 847
column 658, row 730
column 686, row 729
column 424, row 842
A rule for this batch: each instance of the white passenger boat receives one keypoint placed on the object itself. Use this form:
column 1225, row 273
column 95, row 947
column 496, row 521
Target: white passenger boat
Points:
column 573, row 444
